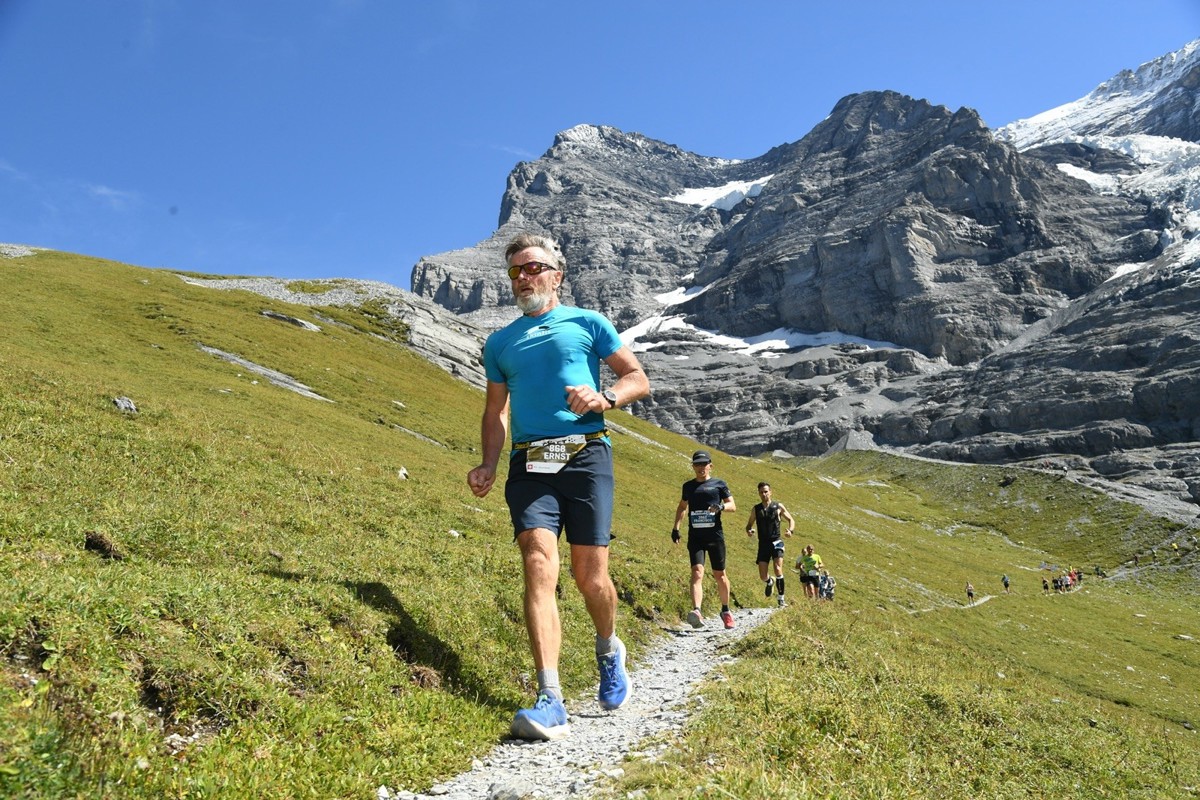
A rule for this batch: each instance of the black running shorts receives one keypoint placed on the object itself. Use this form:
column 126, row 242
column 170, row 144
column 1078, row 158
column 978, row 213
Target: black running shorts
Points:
column 712, row 544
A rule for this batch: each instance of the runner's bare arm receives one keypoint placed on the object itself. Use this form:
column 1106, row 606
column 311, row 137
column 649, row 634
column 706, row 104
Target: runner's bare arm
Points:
column 783, row 512
column 493, row 430
column 680, row 511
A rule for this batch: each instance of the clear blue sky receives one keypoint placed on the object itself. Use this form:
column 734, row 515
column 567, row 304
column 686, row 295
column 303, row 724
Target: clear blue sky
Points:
column 347, row 138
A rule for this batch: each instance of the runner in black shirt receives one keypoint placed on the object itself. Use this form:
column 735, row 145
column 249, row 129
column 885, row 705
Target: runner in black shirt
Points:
column 765, row 516
column 704, row 498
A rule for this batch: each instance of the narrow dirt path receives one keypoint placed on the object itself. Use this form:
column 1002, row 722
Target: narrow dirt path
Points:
column 951, row 605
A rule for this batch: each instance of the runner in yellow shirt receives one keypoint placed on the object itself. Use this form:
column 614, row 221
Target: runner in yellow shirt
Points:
column 809, row 566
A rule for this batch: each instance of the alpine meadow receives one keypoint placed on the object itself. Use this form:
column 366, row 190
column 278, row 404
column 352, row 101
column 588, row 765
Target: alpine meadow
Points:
column 234, row 589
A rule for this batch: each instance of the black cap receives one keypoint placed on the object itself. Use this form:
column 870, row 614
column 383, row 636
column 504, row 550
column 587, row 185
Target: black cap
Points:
column 701, row 457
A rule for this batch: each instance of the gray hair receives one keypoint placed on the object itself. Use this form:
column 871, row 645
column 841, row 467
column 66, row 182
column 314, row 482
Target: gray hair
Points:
column 524, row 240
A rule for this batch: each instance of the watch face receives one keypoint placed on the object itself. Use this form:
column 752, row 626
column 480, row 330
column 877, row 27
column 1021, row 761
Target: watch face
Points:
column 608, row 395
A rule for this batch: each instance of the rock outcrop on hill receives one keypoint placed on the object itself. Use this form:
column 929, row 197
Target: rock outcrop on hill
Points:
column 433, row 333
column 942, row 288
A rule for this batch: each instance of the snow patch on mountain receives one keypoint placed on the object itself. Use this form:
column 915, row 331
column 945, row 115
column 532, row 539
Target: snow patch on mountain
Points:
column 723, row 197
column 766, row 345
column 1169, row 173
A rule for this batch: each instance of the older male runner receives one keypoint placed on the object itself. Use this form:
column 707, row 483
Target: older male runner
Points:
column 560, row 473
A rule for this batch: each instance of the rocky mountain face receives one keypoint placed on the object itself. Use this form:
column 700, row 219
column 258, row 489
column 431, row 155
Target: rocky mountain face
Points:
column 901, row 271
column 1110, row 384
column 601, row 193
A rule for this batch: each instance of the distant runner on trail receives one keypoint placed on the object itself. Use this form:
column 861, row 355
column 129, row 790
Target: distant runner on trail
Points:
column 765, row 516
column 970, row 593
column 809, row 566
column 704, row 498
column 560, row 470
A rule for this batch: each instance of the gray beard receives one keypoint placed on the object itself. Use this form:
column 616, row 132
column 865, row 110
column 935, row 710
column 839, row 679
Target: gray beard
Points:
column 533, row 303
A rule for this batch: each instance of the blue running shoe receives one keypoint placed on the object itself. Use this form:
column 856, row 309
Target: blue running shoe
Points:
column 547, row 720
column 614, row 682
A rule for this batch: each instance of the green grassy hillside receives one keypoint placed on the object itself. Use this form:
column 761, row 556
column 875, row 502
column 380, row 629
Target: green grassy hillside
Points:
column 233, row 592
column 898, row 689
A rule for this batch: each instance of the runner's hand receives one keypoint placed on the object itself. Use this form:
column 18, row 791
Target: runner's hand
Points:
column 582, row 399
column 481, row 479
column 675, row 537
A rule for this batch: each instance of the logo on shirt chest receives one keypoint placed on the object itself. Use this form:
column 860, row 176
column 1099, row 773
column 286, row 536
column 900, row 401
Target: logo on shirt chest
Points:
column 535, row 333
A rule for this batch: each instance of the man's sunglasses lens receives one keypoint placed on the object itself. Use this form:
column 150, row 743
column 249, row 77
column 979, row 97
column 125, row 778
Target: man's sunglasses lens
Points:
column 530, row 268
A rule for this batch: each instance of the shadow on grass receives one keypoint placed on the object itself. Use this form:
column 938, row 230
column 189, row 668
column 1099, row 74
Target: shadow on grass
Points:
column 418, row 648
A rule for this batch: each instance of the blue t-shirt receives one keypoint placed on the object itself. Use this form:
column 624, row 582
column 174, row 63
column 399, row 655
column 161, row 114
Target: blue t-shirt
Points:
column 537, row 357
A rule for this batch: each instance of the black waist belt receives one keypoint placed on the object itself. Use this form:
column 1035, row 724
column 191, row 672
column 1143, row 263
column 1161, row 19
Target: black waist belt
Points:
column 587, row 437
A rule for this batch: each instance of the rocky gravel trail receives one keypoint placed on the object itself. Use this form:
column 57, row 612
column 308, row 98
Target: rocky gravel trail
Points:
column 664, row 680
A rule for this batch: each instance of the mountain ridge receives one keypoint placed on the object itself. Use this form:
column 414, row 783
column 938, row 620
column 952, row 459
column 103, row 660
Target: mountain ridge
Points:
column 897, row 222
column 1157, row 99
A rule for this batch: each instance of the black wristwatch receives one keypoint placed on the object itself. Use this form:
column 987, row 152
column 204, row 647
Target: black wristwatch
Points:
column 610, row 396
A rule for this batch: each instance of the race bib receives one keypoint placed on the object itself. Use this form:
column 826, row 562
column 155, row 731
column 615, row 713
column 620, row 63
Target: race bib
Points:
column 777, row 544
column 703, row 519
column 551, row 455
